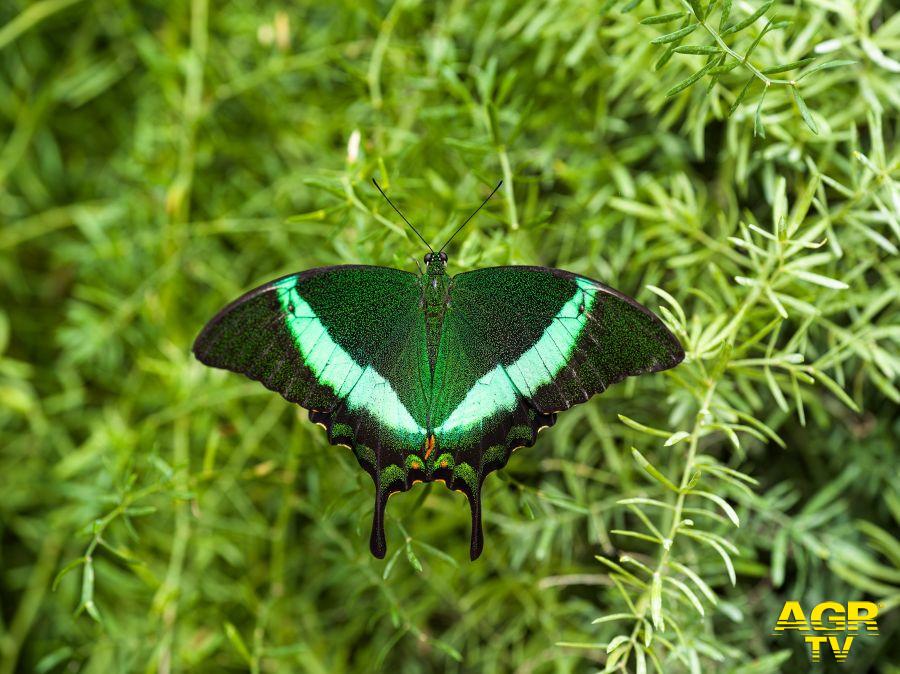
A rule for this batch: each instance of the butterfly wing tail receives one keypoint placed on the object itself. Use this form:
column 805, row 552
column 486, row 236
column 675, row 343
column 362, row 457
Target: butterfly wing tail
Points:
column 377, row 540
column 476, row 544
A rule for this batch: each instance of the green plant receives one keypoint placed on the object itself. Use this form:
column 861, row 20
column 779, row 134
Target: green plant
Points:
column 159, row 158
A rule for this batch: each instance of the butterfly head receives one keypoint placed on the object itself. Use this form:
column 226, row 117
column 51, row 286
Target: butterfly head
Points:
column 435, row 263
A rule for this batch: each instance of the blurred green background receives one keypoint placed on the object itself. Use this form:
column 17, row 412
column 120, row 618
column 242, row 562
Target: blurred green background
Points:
column 159, row 158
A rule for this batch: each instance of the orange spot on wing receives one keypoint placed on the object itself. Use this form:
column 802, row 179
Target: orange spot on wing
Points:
column 429, row 446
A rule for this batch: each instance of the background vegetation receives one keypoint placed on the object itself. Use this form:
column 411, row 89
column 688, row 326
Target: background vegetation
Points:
column 158, row 158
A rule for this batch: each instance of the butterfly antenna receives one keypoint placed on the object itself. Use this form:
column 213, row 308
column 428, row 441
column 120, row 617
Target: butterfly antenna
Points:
column 472, row 216
column 401, row 214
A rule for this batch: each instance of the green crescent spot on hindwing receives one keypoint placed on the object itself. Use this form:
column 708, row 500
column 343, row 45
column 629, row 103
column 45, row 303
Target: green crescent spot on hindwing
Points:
column 433, row 378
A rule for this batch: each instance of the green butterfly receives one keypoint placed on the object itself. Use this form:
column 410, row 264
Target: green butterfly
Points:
column 430, row 377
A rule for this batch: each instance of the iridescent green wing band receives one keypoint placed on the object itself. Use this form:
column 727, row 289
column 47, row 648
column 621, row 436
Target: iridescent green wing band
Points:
column 360, row 387
column 498, row 391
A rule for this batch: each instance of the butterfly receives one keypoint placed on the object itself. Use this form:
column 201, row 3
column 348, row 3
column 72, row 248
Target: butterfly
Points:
column 428, row 377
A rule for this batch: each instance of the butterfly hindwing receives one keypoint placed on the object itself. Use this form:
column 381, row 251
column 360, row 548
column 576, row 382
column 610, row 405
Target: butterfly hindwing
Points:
column 520, row 344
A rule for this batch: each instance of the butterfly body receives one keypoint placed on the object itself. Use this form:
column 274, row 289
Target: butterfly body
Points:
column 435, row 302
column 430, row 377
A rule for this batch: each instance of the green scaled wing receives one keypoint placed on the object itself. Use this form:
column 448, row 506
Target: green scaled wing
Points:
column 347, row 343
column 520, row 344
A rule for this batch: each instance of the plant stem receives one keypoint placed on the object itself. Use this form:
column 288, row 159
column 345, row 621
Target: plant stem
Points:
column 699, row 422
column 508, row 191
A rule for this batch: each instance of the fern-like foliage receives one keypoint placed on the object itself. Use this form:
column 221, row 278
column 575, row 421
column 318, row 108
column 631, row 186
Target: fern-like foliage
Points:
column 733, row 165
